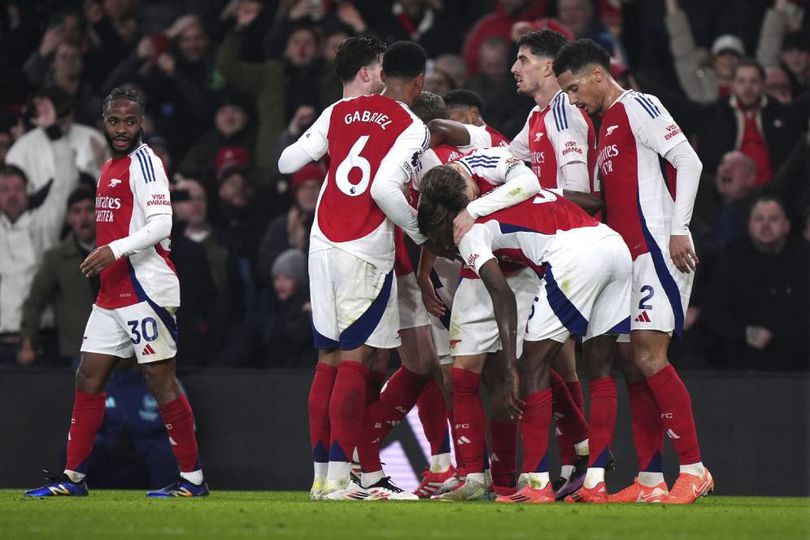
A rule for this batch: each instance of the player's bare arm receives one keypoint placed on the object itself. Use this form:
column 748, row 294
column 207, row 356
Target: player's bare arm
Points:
column 432, row 302
column 450, row 132
column 505, row 308
column 590, row 203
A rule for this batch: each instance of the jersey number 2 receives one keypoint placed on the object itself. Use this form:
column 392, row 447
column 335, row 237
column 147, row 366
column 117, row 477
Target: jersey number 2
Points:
column 354, row 161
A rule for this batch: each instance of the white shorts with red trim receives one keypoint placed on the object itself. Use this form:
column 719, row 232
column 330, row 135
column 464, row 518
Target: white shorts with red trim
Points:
column 660, row 294
column 353, row 302
column 445, row 278
column 473, row 329
column 586, row 287
column 147, row 331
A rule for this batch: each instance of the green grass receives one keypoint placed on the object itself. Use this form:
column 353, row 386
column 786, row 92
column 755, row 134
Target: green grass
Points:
column 230, row 514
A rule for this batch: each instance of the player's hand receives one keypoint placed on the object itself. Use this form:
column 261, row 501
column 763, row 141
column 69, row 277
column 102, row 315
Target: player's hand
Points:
column 758, row 337
column 50, row 41
column 432, row 302
column 99, row 259
column 247, row 12
column 512, row 402
column 462, row 223
column 682, row 254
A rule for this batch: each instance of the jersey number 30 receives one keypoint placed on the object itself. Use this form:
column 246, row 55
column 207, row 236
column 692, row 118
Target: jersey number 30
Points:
column 146, row 329
column 354, row 161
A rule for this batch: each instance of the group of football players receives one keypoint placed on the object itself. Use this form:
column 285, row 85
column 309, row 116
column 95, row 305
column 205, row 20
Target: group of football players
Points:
column 434, row 236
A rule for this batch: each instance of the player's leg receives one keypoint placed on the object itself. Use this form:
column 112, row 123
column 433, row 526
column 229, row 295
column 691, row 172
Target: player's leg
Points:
column 659, row 298
column 503, row 428
column 648, row 432
column 571, row 430
column 320, row 392
column 104, row 344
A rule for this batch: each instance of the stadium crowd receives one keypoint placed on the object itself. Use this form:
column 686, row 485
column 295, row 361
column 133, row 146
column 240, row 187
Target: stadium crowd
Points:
column 230, row 83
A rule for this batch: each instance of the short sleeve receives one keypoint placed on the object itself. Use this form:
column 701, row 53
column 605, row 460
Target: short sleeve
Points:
column 406, row 152
column 479, row 136
column 475, row 247
column 657, row 129
column 150, row 183
column 428, row 160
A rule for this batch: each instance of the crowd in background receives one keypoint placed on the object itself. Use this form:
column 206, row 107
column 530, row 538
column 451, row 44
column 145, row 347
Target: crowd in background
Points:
column 229, row 83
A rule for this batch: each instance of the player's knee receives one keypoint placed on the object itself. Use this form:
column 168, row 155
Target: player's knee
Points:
column 89, row 382
column 162, row 386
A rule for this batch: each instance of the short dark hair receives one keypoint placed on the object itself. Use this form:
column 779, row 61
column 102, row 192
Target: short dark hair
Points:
column 464, row 98
column 578, row 54
column 543, row 43
column 123, row 93
column 442, row 198
column 404, row 60
column 766, row 198
column 428, row 106
column 354, row 53
column 79, row 194
column 749, row 63
column 12, row 170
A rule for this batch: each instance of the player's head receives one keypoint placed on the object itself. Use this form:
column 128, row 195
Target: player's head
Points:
column 404, row 64
column 582, row 68
column 359, row 59
column 429, row 106
column 444, row 193
column 535, row 58
column 123, row 117
column 13, row 192
column 465, row 106
column 81, row 214
column 768, row 224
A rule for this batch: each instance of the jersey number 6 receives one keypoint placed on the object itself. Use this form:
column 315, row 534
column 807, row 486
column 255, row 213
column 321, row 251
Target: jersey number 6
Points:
column 354, row 161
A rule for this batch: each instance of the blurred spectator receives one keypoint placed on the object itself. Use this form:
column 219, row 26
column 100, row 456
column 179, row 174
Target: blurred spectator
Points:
column 796, row 59
column 499, row 24
column 781, row 42
column 25, row 235
column 59, row 283
column 284, row 314
column 302, row 66
column 261, row 83
column 747, row 120
column 6, row 124
column 114, row 30
column 438, row 82
column 496, row 85
column 34, row 152
column 58, row 62
column 758, row 301
column 425, row 22
column 174, row 70
column 703, row 83
column 232, row 129
column 453, row 66
column 722, row 206
column 189, row 205
column 777, row 84
column 291, row 230
column 579, row 17
column 331, row 86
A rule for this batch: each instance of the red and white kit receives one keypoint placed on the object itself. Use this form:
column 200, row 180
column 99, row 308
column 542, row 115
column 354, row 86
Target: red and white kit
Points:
column 553, row 137
column 374, row 145
column 585, row 264
column 640, row 204
column 140, row 293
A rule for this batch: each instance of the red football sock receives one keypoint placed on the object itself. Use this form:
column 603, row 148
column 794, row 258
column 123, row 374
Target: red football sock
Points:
column 575, row 389
column 433, row 415
column 648, row 430
column 469, row 419
column 675, row 406
column 571, row 424
column 179, row 421
column 395, row 402
column 346, row 408
column 454, row 438
column 534, row 430
column 88, row 414
column 601, row 420
column 319, row 394
column 504, row 452
column 376, row 380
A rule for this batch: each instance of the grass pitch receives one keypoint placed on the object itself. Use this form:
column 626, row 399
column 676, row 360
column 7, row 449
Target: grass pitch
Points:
column 231, row 514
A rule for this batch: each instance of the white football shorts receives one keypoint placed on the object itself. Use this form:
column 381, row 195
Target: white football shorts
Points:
column 353, row 302
column 145, row 330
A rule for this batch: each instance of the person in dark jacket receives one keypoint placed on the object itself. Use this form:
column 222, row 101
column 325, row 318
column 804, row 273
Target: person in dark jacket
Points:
column 757, row 302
